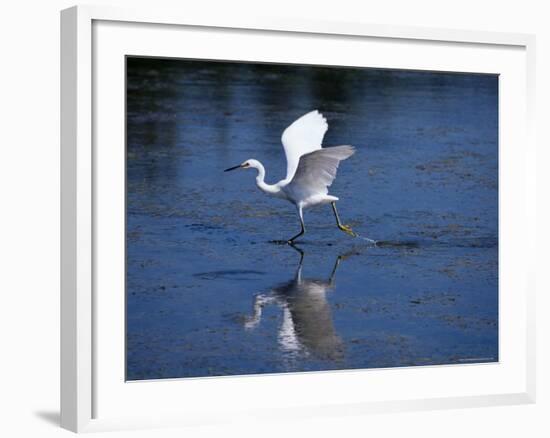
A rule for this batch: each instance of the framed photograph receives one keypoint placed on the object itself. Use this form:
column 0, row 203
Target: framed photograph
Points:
column 268, row 217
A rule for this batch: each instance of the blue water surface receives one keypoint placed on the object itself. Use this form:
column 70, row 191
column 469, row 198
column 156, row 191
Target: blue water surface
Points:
column 209, row 294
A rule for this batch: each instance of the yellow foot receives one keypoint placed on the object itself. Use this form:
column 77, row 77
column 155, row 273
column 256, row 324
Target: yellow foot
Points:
column 347, row 229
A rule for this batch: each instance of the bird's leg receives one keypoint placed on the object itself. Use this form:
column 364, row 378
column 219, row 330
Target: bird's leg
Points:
column 345, row 228
column 292, row 239
column 302, row 231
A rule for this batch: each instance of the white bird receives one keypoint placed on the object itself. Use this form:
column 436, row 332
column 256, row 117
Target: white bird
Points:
column 310, row 170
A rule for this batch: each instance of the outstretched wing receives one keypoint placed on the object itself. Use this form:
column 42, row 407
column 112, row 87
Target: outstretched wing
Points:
column 301, row 137
column 316, row 171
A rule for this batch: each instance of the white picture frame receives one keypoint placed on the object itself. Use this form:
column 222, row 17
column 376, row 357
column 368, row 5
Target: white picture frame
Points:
column 85, row 375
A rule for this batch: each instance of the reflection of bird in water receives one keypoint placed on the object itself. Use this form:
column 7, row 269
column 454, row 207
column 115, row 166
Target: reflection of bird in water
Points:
column 307, row 325
column 310, row 170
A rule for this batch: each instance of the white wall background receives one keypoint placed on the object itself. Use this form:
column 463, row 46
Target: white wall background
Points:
column 29, row 219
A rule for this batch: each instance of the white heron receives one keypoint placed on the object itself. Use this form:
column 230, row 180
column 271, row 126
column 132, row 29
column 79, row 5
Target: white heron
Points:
column 310, row 170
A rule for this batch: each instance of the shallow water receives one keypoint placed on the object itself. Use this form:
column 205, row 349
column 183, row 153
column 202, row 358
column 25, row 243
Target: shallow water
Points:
column 209, row 294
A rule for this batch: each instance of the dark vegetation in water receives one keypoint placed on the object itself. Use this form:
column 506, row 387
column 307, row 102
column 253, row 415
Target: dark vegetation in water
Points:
column 208, row 294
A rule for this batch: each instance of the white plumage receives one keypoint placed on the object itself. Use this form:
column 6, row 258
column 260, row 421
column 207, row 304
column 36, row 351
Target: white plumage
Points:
column 303, row 136
column 311, row 169
column 316, row 172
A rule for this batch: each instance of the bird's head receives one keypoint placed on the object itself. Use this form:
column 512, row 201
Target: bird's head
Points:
column 248, row 164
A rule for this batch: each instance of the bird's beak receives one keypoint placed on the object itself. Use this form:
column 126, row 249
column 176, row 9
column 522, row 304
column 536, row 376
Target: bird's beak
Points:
column 233, row 168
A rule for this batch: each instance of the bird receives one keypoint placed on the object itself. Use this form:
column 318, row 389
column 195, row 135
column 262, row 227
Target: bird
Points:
column 311, row 169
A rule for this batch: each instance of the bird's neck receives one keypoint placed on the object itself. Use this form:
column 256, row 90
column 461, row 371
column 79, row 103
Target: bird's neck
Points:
column 260, row 181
